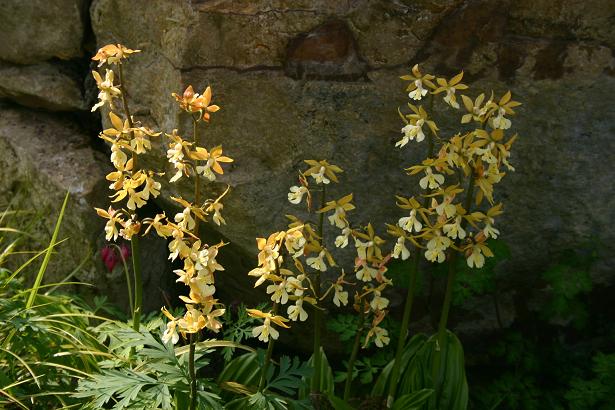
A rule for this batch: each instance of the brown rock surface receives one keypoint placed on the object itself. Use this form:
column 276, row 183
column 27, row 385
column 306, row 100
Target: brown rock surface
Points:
column 37, row 30
column 43, row 85
column 272, row 119
column 42, row 157
column 303, row 79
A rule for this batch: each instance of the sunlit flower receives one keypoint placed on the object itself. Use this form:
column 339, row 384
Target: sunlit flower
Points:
column 412, row 131
column 341, row 241
column 322, row 171
column 378, row 302
column 107, row 91
column 410, row 223
column 296, row 193
column 266, row 329
column 193, row 320
column 450, row 87
column 295, row 243
column 112, row 215
column 192, row 102
column 418, row 83
column 152, row 187
column 185, row 220
column 400, row 249
column 170, row 333
column 278, row 292
column 436, row 247
column 140, row 141
column 454, row 230
column 212, row 160
column 339, row 207
column 318, row 262
column 131, row 227
column 431, row 180
column 112, row 54
column 296, row 311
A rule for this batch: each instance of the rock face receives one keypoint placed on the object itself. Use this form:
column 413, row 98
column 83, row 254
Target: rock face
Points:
column 43, row 157
column 301, row 79
column 327, row 52
column 37, row 30
column 41, row 85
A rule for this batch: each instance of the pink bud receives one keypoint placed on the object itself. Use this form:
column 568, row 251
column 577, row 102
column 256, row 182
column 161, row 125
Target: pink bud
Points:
column 124, row 251
column 109, row 257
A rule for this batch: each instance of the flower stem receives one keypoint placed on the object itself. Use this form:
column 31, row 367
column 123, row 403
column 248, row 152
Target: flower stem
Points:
column 197, row 180
column 191, row 369
column 194, row 337
column 403, row 333
column 263, row 379
column 134, row 241
column 448, row 296
column 317, row 312
column 355, row 352
column 128, row 284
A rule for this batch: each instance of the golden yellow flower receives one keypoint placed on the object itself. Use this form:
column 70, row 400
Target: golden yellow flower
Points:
column 212, row 160
column 112, row 53
column 191, row 102
column 322, row 171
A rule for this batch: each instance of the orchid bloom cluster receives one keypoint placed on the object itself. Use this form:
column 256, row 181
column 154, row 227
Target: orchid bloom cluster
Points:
column 187, row 158
column 136, row 186
column 128, row 140
column 370, row 264
column 199, row 258
column 468, row 164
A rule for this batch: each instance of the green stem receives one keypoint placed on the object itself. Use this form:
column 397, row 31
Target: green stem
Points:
column 197, row 180
column 317, row 312
column 448, row 296
column 263, row 379
column 194, row 336
column 136, row 268
column 403, row 333
column 353, row 355
column 128, row 284
column 191, row 369
column 134, row 241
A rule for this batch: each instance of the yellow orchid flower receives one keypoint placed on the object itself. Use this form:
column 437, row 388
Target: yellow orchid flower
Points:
column 112, row 54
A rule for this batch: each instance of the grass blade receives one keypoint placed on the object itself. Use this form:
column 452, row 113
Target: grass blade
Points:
column 41, row 271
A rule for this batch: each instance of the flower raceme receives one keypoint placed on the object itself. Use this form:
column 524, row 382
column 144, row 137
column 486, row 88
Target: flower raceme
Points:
column 459, row 176
column 134, row 186
column 284, row 256
column 199, row 258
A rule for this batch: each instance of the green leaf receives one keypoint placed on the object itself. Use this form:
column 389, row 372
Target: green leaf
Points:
column 337, row 403
column 413, row 400
column 290, row 376
column 43, row 268
column 240, row 375
column 326, row 376
column 381, row 387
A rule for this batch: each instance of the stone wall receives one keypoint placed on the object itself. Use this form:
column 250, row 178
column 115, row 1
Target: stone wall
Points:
column 319, row 79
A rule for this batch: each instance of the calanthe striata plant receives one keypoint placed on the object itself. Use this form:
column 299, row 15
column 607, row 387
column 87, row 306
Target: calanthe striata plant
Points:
column 455, row 214
column 292, row 262
column 136, row 185
column 132, row 184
